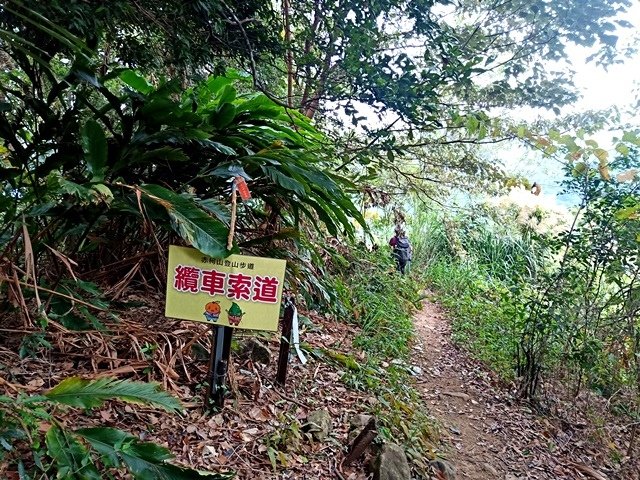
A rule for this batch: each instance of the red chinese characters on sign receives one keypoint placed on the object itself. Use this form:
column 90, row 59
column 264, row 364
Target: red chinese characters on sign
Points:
column 265, row 289
column 213, row 282
column 239, row 286
column 186, row 278
column 236, row 286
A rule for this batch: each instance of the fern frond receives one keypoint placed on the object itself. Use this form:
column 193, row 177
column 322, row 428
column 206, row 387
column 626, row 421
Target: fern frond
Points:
column 78, row 392
column 144, row 460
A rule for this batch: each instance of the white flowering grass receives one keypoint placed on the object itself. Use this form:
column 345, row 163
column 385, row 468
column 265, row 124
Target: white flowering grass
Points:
column 541, row 213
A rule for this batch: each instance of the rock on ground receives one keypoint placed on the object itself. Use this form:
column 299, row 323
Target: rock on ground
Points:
column 319, row 424
column 391, row 464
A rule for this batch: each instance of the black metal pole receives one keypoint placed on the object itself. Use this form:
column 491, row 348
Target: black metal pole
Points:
column 218, row 365
column 285, row 342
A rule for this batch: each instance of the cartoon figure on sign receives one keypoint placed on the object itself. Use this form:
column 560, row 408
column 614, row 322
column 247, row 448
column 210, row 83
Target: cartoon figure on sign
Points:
column 235, row 314
column 212, row 311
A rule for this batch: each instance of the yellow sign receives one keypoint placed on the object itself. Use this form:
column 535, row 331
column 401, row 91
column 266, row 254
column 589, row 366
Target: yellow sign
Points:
column 237, row 291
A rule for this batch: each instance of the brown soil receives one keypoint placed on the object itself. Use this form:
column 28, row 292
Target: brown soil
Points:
column 486, row 433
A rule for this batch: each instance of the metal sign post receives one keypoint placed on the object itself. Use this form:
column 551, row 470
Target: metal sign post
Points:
column 285, row 340
column 218, row 365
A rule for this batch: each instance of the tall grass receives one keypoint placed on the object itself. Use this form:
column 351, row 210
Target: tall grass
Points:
column 428, row 237
column 473, row 265
column 506, row 255
column 486, row 315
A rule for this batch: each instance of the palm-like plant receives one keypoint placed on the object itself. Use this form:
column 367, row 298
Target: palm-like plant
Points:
column 89, row 156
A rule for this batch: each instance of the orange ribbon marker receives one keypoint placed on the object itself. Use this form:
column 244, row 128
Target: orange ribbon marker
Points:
column 242, row 187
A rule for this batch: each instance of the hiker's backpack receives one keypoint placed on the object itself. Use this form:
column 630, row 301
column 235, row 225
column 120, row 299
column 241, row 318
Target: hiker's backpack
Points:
column 401, row 249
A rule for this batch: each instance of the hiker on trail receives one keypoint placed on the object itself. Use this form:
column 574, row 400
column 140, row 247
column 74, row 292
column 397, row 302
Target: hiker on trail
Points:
column 401, row 249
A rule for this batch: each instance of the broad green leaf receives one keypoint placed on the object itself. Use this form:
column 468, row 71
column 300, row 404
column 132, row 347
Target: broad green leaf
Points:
column 336, row 212
column 223, row 116
column 260, row 106
column 229, row 170
column 170, row 154
column 105, row 440
column 83, row 194
column 271, row 453
column 472, row 124
column 227, row 95
column 324, row 216
column 145, row 460
column 70, row 457
column 631, row 137
column 103, row 193
column 82, row 393
column 215, row 84
column 284, row 181
column 136, row 81
column 217, row 208
column 161, row 111
column 627, row 213
column 569, row 142
column 553, row 135
column 58, row 32
column 224, row 149
column 94, row 144
column 190, row 222
column 601, row 154
column 315, row 178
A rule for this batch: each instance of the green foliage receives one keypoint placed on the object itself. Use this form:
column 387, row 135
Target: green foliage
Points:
column 350, row 51
column 533, row 305
column 380, row 301
column 487, row 315
column 30, row 434
column 287, row 438
column 142, row 459
column 584, row 312
column 193, row 224
column 418, row 99
column 429, row 238
column 148, row 37
column 474, row 265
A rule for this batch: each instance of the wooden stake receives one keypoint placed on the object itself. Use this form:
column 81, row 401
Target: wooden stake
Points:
column 232, row 224
column 362, row 441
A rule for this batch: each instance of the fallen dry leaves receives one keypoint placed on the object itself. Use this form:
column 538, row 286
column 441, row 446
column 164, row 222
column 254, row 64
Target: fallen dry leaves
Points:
column 260, row 432
column 261, row 425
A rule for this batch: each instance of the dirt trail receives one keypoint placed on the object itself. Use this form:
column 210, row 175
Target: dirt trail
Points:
column 490, row 434
column 451, row 384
